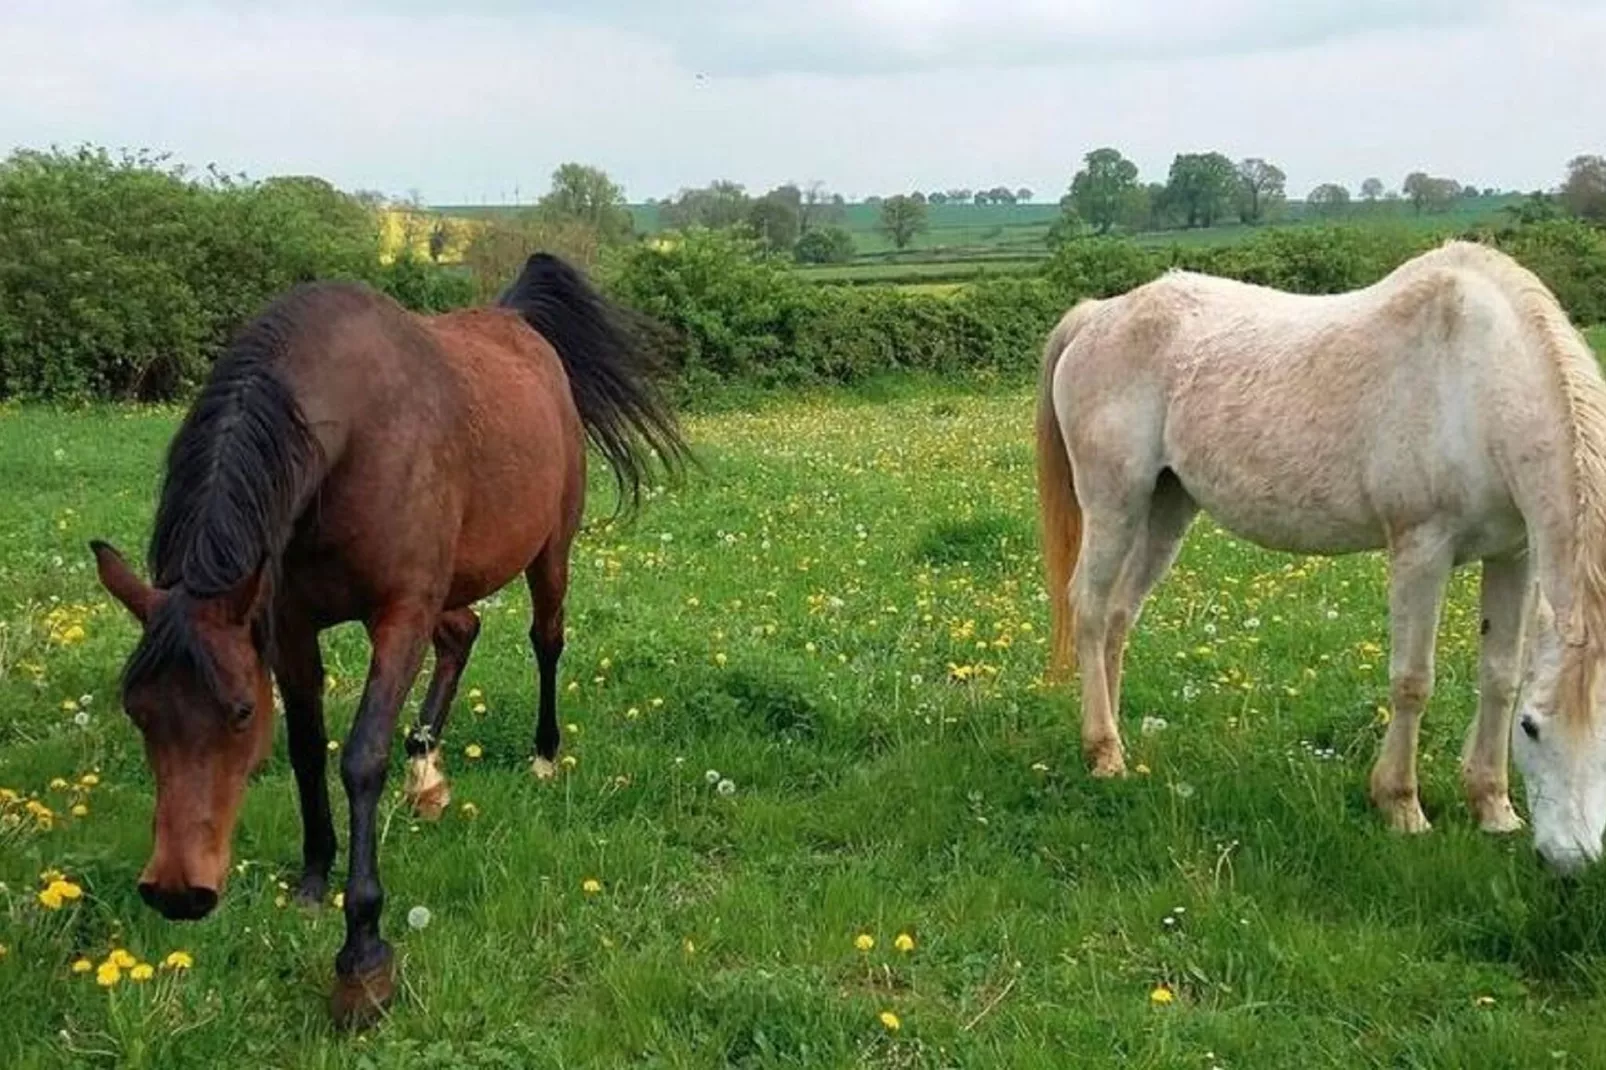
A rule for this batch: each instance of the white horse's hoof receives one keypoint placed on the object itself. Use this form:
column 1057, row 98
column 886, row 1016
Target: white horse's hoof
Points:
column 1496, row 816
column 543, row 769
column 1405, row 815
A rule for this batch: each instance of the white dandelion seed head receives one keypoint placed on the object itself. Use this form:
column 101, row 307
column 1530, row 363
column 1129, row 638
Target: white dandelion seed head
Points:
column 81, row 718
column 418, row 917
column 712, row 776
column 727, row 786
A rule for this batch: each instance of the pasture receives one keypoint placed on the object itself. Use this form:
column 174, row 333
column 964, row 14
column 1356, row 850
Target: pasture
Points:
column 816, row 808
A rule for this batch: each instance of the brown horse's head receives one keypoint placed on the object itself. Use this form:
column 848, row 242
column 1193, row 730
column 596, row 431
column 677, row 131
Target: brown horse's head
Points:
column 198, row 689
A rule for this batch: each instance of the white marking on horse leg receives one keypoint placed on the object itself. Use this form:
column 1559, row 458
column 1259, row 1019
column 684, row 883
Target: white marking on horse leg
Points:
column 1419, row 570
column 1485, row 759
column 427, row 790
column 543, row 769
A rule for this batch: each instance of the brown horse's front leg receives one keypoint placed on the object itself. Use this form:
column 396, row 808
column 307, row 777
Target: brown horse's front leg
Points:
column 363, row 974
column 298, row 667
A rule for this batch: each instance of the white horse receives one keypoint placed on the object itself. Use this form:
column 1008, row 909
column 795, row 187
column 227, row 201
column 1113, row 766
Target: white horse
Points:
column 1448, row 413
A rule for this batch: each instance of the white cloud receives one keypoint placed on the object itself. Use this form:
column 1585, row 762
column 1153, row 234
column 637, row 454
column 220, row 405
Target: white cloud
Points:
column 870, row 96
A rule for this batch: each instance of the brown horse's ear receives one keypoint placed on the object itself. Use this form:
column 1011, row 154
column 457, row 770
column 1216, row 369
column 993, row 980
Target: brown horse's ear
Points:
column 137, row 596
column 239, row 605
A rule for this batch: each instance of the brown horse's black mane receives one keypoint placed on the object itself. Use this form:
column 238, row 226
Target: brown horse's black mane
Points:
column 236, row 472
column 611, row 371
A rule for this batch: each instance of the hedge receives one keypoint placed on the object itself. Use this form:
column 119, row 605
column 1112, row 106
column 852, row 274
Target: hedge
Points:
column 123, row 277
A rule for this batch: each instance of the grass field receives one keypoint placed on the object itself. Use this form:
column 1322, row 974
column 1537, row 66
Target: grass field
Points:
column 843, row 618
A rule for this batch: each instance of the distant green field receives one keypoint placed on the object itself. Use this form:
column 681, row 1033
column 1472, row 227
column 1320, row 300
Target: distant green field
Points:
column 965, row 242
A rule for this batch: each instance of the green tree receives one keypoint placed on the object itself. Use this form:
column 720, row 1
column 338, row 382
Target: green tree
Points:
column 1023, row 195
column 1201, row 187
column 1584, row 190
column 1371, row 190
column 774, row 217
column 1328, row 200
column 902, row 217
column 1427, row 193
column 717, row 206
column 1103, row 187
column 587, row 195
column 1260, row 189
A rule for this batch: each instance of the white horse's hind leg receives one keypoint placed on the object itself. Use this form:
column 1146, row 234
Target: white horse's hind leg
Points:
column 1107, row 539
column 1507, row 588
column 1170, row 513
column 1419, row 570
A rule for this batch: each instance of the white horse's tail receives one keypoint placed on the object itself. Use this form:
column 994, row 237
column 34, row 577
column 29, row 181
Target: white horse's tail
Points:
column 1059, row 515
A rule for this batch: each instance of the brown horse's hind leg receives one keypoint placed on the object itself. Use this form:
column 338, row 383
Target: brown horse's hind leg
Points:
column 548, row 577
column 427, row 790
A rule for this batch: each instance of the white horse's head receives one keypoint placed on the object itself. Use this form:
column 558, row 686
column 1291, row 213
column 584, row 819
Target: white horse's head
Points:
column 1559, row 743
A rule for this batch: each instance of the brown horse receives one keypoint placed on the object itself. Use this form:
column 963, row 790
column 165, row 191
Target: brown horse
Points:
column 350, row 461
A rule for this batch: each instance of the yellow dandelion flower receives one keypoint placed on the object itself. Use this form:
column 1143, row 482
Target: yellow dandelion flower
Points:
column 59, row 784
column 80, row 810
column 178, row 960
column 51, row 876
column 569, row 761
column 904, row 943
column 69, row 704
column 66, row 889
column 591, row 886
column 1140, row 769
column 474, row 751
column 50, row 898
column 720, row 659
column 108, row 974
column 89, row 780
column 470, row 811
column 891, row 1021
column 82, row 965
column 864, row 942
column 340, row 900
column 1161, row 995
column 334, row 745
column 690, row 948
column 475, row 694
column 122, row 959
column 4, row 951
column 73, row 634
column 142, row 971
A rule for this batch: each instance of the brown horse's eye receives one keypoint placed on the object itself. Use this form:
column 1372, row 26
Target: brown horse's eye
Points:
column 239, row 714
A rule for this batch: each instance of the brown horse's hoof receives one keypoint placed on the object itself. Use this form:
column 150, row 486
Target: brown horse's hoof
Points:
column 360, row 999
column 427, row 789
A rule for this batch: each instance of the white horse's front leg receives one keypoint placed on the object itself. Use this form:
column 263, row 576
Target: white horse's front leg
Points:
column 1419, row 570
column 1485, row 760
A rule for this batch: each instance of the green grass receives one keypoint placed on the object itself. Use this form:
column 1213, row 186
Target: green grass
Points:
column 804, row 612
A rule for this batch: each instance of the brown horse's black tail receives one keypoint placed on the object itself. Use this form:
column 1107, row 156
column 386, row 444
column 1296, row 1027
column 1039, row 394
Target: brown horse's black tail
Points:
column 613, row 373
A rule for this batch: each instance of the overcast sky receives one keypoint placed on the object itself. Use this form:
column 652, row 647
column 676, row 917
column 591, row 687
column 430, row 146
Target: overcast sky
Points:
column 467, row 101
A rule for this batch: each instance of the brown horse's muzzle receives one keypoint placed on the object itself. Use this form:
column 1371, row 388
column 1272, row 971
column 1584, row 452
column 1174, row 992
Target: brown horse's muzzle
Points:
column 183, row 904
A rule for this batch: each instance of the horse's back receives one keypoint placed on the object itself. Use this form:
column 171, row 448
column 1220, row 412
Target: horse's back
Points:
column 460, row 423
column 1309, row 423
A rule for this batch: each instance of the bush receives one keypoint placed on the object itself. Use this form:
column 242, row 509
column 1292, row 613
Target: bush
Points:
column 1570, row 257
column 824, row 245
column 1312, row 259
column 496, row 254
column 733, row 314
column 122, row 277
column 1101, row 267
column 425, row 287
